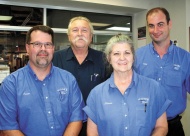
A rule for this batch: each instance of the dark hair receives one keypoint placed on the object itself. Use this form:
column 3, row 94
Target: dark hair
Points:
column 163, row 10
column 43, row 28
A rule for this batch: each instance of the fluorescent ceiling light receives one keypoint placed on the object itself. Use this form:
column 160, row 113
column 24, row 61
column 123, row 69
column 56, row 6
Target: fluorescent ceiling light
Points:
column 5, row 18
column 100, row 24
column 119, row 28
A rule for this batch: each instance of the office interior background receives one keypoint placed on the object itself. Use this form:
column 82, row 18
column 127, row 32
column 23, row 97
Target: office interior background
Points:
column 128, row 16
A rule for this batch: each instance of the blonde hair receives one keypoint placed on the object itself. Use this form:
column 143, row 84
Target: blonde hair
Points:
column 80, row 18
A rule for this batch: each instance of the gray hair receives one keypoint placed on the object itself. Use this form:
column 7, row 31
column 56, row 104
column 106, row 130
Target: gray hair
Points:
column 80, row 18
column 119, row 38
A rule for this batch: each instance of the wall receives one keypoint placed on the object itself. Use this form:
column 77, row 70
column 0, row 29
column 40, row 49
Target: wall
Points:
column 177, row 10
column 138, row 21
column 143, row 4
column 186, row 115
column 188, row 23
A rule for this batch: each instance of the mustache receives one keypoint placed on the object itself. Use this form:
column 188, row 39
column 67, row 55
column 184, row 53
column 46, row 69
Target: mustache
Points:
column 42, row 53
column 79, row 38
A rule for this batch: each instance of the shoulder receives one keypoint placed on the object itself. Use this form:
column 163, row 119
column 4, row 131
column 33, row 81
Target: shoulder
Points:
column 147, row 81
column 59, row 56
column 17, row 76
column 181, row 55
column 97, row 56
column 95, row 52
column 100, row 88
column 60, row 52
column 181, row 50
column 143, row 48
column 62, row 72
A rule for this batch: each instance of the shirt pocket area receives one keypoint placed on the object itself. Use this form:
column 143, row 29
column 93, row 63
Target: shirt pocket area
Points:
column 142, row 117
column 173, row 78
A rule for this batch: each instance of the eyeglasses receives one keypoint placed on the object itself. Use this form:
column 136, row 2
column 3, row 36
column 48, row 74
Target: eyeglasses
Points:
column 47, row 45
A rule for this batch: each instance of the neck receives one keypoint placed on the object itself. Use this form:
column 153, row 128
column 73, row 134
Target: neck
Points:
column 80, row 54
column 41, row 72
column 123, row 80
column 161, row 48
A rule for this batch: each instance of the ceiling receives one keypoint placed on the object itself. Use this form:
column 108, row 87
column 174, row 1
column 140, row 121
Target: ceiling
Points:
column 30, row 12
column 97, row 6
column 21, row 16
column 26, row 14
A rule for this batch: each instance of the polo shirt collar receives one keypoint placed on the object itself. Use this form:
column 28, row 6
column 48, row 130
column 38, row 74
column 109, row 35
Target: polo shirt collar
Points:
column 170, row 49
column 70, row 55
column 34, row 75
column 133, row 81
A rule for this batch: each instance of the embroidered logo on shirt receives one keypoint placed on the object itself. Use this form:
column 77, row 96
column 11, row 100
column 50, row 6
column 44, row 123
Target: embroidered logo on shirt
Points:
column 176, row 66
column 62, row 92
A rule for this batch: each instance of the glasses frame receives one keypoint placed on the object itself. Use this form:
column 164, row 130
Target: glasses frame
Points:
column 39, row 45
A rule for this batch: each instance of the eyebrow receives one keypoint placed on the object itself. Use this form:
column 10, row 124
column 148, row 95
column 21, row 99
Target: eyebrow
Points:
column 157, row 23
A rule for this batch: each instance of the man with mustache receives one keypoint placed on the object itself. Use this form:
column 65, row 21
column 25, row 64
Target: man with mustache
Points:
column 40, row 99
column 85, row 63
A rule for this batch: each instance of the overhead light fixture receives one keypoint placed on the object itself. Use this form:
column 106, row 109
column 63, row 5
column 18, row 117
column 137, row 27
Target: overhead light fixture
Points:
column 100, row 24
column 119, row 28
column 5, row 18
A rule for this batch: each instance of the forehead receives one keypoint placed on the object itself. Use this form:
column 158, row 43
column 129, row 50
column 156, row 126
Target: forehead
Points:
column 121, row 46
column 40, row 36
column 80, row 23
column 155, row 17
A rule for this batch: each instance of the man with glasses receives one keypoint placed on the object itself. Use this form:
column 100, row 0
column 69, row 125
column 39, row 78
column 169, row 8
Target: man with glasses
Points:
column 40, row 99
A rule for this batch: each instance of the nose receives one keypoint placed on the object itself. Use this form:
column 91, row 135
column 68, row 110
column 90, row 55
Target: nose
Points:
column 43, row 47
column 122, row 57
column 155, row 29
column 79, row 32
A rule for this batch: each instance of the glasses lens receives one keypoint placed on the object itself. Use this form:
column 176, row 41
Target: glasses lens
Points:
column 48, row 45
column 39, row 45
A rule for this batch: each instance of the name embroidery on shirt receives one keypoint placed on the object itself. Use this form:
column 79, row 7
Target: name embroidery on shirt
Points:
column 26, row 93
column 145, row 64
column 107, row 103
column 144, row 100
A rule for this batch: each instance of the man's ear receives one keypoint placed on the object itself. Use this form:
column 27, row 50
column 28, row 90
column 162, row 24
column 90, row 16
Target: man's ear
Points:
column 27, row 47
column 170, row 24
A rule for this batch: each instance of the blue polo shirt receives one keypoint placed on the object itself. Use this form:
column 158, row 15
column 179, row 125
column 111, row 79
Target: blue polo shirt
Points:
column 172, row 71
column 132, row 114
column 40, row 108
column 88, row 74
